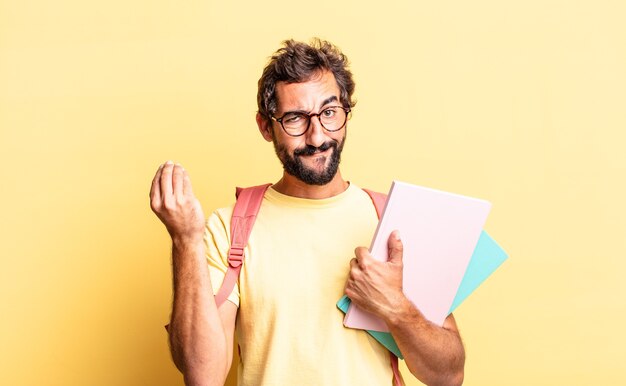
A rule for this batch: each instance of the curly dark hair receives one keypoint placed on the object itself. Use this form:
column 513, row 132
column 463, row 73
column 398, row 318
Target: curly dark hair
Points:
column 297, row 62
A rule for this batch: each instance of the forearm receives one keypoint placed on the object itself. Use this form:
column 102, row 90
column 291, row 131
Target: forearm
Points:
column 197, row 338
column 433, row 354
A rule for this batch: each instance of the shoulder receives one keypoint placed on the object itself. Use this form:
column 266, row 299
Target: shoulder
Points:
column 220, row 219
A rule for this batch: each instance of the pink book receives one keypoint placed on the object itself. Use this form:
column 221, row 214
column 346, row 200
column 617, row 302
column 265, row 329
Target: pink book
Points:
column 439, row 231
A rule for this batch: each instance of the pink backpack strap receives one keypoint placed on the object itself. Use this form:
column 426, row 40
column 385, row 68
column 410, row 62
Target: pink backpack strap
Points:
column 379, row 200
column 397, row 377
column 244, row 214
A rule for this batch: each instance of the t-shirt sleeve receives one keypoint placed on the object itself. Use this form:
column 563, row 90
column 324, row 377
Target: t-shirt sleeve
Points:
column 216, row 238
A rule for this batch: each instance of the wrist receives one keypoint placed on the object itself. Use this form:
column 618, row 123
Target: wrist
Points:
column 188, row 241
column 188, row 250
column 402, row 309
column 188, row 235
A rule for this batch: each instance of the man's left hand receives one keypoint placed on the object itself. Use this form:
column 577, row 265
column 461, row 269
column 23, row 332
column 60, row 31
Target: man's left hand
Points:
column 376, row 286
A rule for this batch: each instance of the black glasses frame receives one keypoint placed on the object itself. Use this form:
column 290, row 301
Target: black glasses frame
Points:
column 280, row 120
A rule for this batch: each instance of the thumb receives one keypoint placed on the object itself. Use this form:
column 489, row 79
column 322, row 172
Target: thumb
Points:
column 395, row 247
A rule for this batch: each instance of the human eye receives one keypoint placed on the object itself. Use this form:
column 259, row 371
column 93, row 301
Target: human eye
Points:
column 329, row 112
column 293, row 118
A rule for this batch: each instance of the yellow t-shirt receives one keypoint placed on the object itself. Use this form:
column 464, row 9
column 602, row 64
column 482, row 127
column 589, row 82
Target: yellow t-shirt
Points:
column 296, row 264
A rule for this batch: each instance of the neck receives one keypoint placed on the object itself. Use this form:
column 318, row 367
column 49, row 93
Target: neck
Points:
column 291, row 186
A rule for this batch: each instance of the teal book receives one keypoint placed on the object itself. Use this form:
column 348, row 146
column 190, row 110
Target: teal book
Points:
column 486, row 258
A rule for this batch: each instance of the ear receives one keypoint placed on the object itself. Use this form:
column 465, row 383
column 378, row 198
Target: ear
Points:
column 265, row 127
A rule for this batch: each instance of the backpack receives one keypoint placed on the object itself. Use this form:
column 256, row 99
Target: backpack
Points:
column 244, row 215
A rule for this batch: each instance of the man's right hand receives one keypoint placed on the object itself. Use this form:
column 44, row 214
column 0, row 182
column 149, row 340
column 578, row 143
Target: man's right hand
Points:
column 173, row 201
column 200, row 334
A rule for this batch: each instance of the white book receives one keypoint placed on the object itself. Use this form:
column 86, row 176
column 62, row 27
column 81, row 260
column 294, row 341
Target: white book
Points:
column 439, row 231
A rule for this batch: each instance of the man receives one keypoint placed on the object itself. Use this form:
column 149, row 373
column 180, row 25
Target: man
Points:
column 300, row 257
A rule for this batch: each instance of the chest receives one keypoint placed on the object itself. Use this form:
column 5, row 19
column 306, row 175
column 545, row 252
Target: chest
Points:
column 300, row 257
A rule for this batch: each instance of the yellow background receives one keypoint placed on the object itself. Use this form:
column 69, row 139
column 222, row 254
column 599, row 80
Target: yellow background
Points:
column 520, row 103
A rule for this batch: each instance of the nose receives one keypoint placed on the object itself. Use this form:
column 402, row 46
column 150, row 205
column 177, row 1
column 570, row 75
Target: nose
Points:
column 316, row 135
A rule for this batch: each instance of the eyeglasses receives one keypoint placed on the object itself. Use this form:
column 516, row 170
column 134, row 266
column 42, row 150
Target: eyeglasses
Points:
column 296, row 123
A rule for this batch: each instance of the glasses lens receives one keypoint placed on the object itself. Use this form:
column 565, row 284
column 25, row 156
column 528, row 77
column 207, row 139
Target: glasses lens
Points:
column 333, row 118
column 295, row 123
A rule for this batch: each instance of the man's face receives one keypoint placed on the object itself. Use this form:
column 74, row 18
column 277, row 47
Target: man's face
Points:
column 314, row 156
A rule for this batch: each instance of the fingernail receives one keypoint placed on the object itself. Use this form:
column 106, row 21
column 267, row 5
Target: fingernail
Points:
column 169, row 162
column 397, row 234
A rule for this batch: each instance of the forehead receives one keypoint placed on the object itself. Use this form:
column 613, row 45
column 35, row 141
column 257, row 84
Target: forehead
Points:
column 309, row 95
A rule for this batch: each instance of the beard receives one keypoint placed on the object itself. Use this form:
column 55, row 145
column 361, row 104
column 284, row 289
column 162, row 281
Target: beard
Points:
column 293, row 165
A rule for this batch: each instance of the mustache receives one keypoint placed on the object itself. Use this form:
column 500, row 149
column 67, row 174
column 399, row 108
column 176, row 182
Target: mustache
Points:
column 310, row 150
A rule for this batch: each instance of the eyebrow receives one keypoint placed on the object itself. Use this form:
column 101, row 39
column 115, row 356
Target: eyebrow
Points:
column 324, row 103
column 328, row 100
